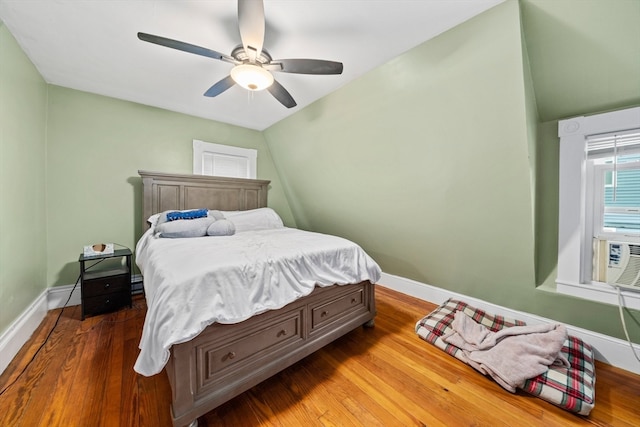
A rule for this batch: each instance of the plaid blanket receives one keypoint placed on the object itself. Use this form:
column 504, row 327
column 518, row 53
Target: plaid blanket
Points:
column 572, row 389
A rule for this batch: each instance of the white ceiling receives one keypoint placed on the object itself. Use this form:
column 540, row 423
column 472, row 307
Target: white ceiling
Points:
column 91, row 45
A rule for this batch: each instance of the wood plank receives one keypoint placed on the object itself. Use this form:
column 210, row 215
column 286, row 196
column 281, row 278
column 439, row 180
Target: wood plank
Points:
column 129, row 396
column 68, row 374
column 47, row 371
column 92, row 412
column 114, row 370
column 347, row 392
column 14, row 376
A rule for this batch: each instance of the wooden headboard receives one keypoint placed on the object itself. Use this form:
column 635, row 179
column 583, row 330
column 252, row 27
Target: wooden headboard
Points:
column 165, row 191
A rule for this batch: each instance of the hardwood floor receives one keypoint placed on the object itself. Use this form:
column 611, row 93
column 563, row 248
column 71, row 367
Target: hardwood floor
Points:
column 383, row 376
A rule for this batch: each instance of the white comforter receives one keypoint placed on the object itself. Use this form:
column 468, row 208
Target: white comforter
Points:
column 192, row 283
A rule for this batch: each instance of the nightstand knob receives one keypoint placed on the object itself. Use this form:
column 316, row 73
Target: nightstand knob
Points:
column 107, row 286
column 107, row 301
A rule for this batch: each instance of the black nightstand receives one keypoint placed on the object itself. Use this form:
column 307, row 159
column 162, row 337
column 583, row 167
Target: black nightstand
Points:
column 105, row 290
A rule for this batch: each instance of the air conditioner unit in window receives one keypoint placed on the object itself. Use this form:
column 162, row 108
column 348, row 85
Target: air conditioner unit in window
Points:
column 623, row 265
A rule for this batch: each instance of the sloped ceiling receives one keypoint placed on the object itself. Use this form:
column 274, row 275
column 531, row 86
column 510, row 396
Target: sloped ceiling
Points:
column 91, row 45
column 584, row 55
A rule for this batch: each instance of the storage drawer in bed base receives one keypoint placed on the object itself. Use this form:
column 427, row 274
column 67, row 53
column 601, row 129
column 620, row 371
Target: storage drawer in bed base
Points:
column 230, row 359
column 217, row 361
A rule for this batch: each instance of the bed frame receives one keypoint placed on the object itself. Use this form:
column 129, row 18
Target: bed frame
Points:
column 226, row 360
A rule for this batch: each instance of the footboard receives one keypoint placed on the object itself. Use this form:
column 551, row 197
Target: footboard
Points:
column 226, row 360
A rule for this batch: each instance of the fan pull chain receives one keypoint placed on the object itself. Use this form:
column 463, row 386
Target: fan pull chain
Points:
column 614, row 178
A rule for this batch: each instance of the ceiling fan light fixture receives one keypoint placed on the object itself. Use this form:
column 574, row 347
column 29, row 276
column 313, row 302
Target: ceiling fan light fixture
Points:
column 251, row 77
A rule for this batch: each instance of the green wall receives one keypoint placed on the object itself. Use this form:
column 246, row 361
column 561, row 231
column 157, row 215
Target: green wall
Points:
column 547, row 173
column 432, row 163
column 23, row 242
column 532, row 118
column 96, row 145
column 584, row 54
column 424, row 161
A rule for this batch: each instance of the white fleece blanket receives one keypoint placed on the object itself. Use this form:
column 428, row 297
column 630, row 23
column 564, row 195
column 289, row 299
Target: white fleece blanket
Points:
column 512, row 355
column 192, row 283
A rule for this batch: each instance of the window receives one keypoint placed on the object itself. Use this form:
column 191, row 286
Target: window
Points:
column 613, row 197
column 599, row 198
column 224, row 160
column 613, row 178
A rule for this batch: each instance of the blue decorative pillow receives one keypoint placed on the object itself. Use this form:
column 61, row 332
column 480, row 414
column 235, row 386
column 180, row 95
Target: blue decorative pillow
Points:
column 190, row 214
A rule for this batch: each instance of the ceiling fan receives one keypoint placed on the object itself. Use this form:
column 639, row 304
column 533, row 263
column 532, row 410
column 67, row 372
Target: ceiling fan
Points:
column 253, row 64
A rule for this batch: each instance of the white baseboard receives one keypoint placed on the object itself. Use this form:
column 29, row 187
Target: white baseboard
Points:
column 607, row 349
column 58, row 296
column 12, row 339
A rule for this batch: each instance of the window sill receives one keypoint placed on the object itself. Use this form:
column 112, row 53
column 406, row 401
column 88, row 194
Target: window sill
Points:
column 600, row 292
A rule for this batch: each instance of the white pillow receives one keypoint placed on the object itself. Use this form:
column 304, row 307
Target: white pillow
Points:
column 153, row 219
column 254, row 219
column 217, row 215
column 221, row 227
column 182, row 228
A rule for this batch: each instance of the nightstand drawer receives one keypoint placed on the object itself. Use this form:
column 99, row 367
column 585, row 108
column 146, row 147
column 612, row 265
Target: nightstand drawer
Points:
column 105, row 285
column 107, row 302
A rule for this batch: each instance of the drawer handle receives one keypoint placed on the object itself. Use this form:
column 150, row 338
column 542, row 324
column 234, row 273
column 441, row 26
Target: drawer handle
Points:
column 107, row 286
column 282, row 333
column 107, row 301
column 324, row 313
column 353, row 300
column 229, row 356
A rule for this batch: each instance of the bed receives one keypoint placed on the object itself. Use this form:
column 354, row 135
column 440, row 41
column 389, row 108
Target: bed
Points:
column 216, row 356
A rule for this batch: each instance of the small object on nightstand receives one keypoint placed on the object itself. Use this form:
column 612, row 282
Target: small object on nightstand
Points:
column 98, row 249
column 105, row 290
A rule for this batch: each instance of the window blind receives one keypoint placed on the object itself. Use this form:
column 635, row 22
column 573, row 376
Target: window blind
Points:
column 225, row 165
column 608, row 145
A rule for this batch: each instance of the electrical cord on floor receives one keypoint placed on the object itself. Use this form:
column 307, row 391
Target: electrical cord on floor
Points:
column 44, row 342
column 24, row 369
column 624, row 325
